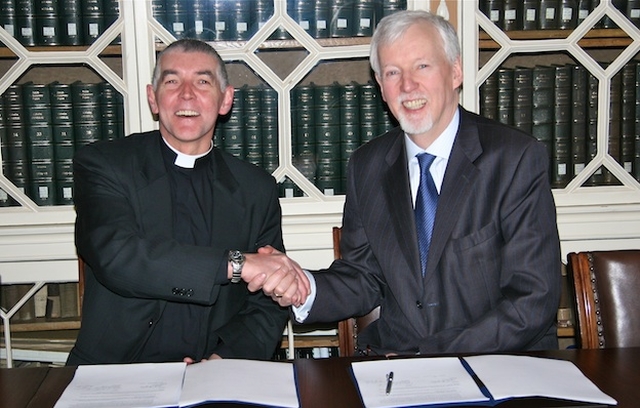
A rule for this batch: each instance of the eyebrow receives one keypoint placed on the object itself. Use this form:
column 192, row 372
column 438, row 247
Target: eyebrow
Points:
column 206, row 72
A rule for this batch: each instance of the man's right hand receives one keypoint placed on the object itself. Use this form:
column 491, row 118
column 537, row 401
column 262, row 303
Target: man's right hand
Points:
column 277, row 275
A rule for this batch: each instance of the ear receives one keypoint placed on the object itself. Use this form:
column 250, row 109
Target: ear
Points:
column 151, row 97
column 457, row 76
column 227, row 101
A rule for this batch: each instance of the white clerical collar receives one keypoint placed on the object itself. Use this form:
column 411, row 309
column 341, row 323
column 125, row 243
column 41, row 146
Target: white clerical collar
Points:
column 186, row 161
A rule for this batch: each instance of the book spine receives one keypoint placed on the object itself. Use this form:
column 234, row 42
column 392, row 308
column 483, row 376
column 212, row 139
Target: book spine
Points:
column 92, row 20
column 585, row 7
column 549, row 13
column 365, row 15
column 543, row 107
column 633, row 11
column 592, row 128
column 176, row 19
column 615, row 112
column 512, row 20
column 341, row 19
column 561, row 159
column 253, row 126
column 568, row 17
column 489, row 97
column 37, row 110
column 349, row 128
column 304, row 13
column 579, row 105
column 530, row 14
column 87, row 114
column 327, row 136
column 494, row 10
column 369, row 100
column 233, row 135
column 303, row 128
column 46, row 23
column 26, row 22
column 505, row 96
column 71, row 26
column 16, row 138
column 523, row 99
column 627, row 116
column 269, row 123
column 63, row 140
column 8, row 17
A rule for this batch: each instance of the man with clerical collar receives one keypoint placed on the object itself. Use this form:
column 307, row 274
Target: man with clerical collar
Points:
column 169, row 228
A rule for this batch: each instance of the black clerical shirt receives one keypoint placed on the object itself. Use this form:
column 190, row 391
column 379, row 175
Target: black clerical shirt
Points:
column 182, row 330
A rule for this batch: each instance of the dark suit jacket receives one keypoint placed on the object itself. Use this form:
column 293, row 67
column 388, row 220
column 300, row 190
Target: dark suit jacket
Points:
column 493, row 277
column 124, row 233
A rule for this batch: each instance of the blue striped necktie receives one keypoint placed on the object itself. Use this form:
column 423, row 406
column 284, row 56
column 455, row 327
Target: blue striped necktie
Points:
column 425, row 210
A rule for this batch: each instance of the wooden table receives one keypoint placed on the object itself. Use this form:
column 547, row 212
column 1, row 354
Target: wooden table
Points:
column 327, row 383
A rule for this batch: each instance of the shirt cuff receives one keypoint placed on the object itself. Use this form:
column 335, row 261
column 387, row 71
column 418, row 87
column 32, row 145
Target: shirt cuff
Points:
column 301, row 312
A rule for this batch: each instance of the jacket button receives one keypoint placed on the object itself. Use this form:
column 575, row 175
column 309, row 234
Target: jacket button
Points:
column 150, row 323
column 418, row 304
column 189, row 292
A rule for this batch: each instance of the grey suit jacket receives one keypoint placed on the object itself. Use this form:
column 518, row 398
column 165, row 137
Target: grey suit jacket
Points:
column 493, row 277
column 124, row 233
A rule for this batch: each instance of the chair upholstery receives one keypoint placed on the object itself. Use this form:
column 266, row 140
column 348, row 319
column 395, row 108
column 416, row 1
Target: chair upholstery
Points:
column 607, row 293
column 348, row 328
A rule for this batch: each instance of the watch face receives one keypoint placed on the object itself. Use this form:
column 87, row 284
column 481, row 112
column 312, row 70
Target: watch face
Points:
column 236, row 256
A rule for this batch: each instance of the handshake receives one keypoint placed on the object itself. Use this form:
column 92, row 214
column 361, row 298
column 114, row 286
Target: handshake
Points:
column 277, row 275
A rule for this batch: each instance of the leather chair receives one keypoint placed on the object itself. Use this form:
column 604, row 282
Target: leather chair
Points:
column 607, row 293
column 348, row 328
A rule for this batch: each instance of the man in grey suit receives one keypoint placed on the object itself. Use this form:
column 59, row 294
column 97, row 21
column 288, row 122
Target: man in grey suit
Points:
column 169, row 227
column 492, row 276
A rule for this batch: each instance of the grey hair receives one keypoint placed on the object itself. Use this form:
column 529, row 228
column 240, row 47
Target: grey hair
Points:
column 192, row 45
column 393, row 26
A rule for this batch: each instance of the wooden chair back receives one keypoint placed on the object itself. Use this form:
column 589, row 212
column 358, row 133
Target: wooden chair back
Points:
column 607, row 295
column 348, row 328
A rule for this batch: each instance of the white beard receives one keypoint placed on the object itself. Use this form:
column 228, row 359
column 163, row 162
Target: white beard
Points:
column 416, row 127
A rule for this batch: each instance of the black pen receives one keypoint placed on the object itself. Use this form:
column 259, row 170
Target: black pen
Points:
column 389, row 382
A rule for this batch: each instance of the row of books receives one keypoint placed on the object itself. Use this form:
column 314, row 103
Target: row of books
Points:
column 515, row 15
column 223, row 20
column 52, row 301
column 42, row 125
column 57, row 22
column 558, row 105
column 328, row 123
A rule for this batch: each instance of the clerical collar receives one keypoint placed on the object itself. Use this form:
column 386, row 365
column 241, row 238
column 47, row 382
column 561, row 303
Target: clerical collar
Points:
column 186, row 161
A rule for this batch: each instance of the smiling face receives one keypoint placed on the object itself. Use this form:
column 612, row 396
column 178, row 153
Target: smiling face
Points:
column 419, row 83
column 188, row 100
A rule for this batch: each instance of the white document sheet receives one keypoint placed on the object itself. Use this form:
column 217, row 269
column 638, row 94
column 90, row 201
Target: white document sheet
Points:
column 508, row 376
column 416, row 381
column 124, row 386
column 260, row 382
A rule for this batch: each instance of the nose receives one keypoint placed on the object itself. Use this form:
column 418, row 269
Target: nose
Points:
column 186, row 90
column 408, row 83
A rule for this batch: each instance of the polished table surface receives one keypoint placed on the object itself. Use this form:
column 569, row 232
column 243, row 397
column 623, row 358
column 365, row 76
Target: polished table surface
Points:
column 327, row 383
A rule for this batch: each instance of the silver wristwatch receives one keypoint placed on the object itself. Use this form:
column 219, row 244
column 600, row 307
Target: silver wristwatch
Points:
column 237, row 262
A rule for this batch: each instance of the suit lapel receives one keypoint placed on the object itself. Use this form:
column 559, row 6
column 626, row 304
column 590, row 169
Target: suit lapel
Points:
column 398, row 197
column 458, row 180
column 154, row 193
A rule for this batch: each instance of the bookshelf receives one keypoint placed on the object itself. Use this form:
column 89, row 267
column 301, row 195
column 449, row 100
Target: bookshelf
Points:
column 36, row 241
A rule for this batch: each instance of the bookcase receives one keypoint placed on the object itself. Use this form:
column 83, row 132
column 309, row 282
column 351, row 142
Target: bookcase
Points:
column 271, row 59
column 597, row 198
column 288, row 63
